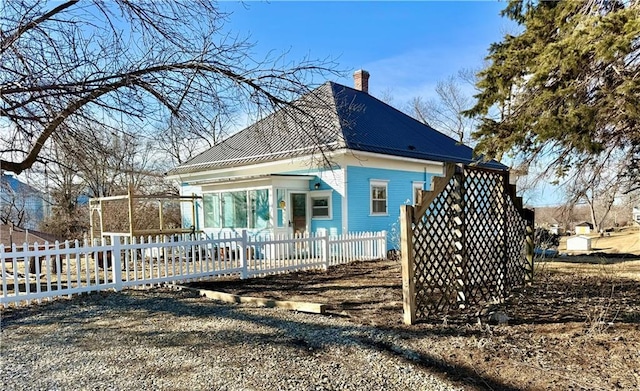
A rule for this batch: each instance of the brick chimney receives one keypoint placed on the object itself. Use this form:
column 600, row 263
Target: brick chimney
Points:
column 361, row 80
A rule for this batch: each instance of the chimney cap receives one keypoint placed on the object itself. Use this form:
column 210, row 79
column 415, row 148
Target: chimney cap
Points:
column 361, row 80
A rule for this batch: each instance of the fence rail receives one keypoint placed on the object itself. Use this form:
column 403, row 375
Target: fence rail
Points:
column 45, row 271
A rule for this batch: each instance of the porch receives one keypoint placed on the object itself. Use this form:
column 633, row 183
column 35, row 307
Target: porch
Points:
column 272, row 204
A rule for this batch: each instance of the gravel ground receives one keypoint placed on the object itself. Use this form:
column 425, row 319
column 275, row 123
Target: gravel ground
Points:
column 162, row 339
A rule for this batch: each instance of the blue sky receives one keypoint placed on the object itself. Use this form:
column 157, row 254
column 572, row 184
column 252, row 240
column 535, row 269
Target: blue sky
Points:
column 407, row 47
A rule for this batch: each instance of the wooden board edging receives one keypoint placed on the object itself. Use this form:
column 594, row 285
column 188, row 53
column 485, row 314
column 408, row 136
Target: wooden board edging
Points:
column 300, row 306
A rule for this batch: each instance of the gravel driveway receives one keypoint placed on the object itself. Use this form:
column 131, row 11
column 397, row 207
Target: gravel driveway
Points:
column 173, row 340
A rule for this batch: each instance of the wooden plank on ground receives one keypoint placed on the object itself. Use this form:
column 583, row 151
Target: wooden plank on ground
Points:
column 300, row 306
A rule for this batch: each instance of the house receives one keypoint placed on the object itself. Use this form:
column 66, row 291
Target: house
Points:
column 20, row 203
column 636, row 215
column 583, row 228
column 339, row 161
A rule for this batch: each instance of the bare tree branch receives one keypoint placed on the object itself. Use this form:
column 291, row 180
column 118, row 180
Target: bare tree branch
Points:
column 7, row 41
column 129, row 65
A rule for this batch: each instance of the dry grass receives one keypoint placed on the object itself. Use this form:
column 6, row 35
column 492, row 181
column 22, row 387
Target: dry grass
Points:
column 626, row 241
column 593, row 266
column 617, row 256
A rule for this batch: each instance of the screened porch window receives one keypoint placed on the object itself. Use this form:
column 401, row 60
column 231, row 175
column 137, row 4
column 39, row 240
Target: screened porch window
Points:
column 237, row 209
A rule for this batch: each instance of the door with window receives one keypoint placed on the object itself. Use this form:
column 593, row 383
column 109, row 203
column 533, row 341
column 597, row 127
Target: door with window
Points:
column 298, row 216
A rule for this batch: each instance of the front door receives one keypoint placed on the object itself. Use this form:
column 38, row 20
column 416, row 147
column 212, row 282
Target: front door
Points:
column 298, row 213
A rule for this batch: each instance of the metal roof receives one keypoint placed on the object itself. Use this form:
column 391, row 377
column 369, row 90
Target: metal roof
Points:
column 332, row 117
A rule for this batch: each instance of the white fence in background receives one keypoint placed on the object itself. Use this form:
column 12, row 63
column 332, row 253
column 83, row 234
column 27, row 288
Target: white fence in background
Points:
column 46, row 271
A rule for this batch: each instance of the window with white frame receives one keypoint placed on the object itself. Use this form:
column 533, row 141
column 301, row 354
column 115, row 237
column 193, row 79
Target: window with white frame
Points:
column 321, row 205
column 237, row 209
column 417, row 186
column 378, row 197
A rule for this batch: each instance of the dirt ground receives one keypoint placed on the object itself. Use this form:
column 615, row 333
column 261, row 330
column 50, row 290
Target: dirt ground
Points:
column 571, row 329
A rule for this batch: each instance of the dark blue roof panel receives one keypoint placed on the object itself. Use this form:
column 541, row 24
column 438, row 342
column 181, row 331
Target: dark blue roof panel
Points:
column 373, row 126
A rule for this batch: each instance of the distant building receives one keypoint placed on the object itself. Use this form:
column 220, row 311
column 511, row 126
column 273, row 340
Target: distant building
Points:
column 583, row 228
column 636, row 214
column 21, row 204
column 556, row 229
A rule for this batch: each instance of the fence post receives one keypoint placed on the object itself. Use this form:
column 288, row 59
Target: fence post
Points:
column 383, row 245
column 325, row 250
column 406, row 248
column 529, row 217
column 117, row 265
column 459, row 228
column 502, row 279
column 243, row 254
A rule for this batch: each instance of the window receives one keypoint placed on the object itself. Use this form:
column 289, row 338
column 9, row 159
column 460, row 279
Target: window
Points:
column 378, row 197
column 321, row 205
column 259, row 211
column 234, row 209
column 237, row 209
column 281, row 205
column 417, row 186
column 211, row 206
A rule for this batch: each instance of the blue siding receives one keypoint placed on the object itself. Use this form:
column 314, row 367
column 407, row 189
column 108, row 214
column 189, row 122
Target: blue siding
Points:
column 399, row 192
column 335, row 224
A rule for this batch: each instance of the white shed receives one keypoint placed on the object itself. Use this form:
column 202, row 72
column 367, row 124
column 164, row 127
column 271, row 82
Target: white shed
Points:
column 579, row 243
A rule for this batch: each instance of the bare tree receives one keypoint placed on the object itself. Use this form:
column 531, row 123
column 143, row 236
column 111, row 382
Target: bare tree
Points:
column 116, row 161
column 444, row 113
column 182, row 140
column 69, row 218
column 67, row 66
column 599, row 188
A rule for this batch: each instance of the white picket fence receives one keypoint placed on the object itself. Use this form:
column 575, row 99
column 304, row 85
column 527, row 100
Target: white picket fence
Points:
column 45, row 271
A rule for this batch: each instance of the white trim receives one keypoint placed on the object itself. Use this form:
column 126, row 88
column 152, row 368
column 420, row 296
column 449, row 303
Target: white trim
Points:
column 313, row 147
column 249, row 178
column 300, row 162
column 345, row 203
column 379, row 183
column 350, row 157
column 355, row 153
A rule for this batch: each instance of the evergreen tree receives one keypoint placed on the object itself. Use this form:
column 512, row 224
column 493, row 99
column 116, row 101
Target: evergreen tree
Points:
column 566, row 87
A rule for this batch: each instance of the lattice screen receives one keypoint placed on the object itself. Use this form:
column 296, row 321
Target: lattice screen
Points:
column 468, row 245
